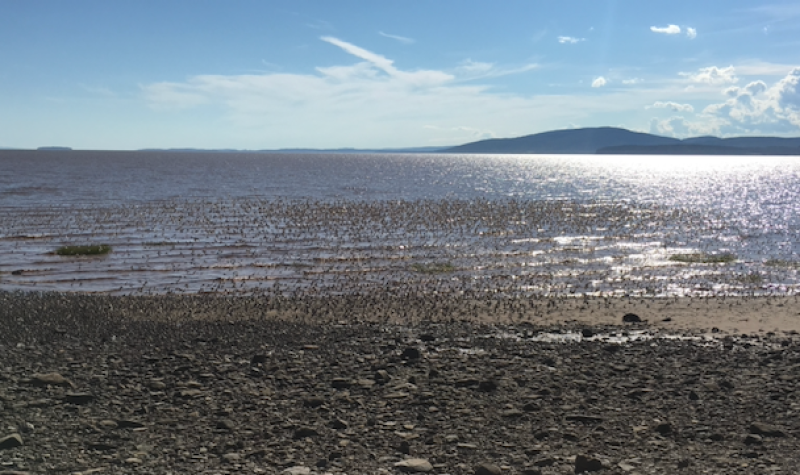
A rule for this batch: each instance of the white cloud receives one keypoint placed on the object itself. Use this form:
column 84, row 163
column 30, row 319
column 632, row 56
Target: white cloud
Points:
column 570, row 40
column 417, row 78
column 667, row 30
column 713, row 75
column 757, row 106
column 471, row 67
column 632, row 81
column 471, row 70
column 369, row 102
column 672, row 127
column 672, row 105
column 691, row 33
column 401, row 39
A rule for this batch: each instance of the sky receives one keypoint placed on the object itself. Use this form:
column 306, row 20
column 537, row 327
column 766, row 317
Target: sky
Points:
column 270, row 74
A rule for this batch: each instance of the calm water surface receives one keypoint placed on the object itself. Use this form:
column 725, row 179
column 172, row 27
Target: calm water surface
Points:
column 539, row 225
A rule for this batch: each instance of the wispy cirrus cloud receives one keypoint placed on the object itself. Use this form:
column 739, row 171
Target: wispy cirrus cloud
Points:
column 691, row 33
column 399, row 38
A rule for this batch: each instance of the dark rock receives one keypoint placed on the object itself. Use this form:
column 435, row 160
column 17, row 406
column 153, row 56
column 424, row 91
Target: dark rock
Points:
column 753, row 439
column 487, row 386
column 303, row 432
column 313, row 402
column 102, row 447
column 226, row 425
column 531, row 407
column 545, row 462
column 405, row 447
column 78, row 398
column 10, row 441
column 340, row 383
column 382, row 376
column 587, row 464
column 587, row 333
column 411, row 353
column 512, row 414
column 665, row 428
column 338, row 424
column 766, row 430
column 427, row 337
column 631, row 318
column 129, row 424
column 258, row 359
column 487, row 469
column 50, row 379
column 465, row 383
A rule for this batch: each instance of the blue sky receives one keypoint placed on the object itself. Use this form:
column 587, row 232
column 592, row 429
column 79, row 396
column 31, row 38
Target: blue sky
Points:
column 324, row 73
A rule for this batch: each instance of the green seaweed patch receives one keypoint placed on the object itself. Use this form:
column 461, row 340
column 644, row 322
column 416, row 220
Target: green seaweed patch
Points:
column 90, row 250
column 433, row 268
column 703, row 258
column 782, row 263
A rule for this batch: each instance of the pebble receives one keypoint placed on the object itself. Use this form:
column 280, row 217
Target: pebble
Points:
column 10, row 441
column 587, row 464
column 415, row 465
column 298, row 470
column 53, row 379
column 486, row 468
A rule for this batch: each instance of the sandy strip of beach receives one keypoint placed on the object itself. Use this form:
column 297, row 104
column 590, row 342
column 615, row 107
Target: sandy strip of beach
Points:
column 724, row 315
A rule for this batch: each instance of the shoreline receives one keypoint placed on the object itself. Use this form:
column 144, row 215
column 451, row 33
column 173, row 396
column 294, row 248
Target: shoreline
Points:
column 774, row 315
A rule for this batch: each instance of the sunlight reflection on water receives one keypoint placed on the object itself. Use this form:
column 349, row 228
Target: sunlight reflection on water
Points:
column 547, row 225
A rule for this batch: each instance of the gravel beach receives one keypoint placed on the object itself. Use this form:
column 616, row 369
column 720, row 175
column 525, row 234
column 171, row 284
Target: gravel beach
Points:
column 392, row 384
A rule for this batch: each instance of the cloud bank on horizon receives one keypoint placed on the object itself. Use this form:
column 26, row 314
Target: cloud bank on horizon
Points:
column 326, row 82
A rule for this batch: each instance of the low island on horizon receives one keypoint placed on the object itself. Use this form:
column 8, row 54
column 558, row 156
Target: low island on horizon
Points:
column 588, row 141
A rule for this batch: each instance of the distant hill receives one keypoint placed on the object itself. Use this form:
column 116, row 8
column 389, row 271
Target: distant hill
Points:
column 616, row 140
column 696, row 149
column 56, row 149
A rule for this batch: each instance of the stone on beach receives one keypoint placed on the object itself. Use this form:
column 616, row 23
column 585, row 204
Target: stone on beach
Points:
column 415, row 465
column 10, row 441
column 53, row 379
